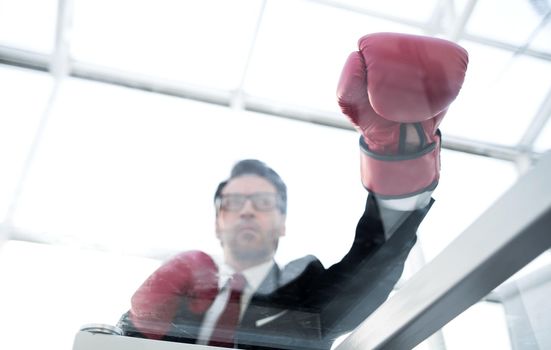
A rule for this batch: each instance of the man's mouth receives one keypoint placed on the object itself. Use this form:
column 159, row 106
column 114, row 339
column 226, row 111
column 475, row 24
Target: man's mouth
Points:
column 248, row 231
column 247, row 226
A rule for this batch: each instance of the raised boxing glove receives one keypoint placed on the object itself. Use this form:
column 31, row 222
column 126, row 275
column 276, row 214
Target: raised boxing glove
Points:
column 395, row 90
column 190, row 277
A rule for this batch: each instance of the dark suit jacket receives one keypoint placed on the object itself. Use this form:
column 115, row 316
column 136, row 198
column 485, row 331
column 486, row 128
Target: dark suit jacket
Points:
column 306, row 306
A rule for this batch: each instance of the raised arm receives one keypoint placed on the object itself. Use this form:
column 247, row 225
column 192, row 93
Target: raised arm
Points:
column 395, row 90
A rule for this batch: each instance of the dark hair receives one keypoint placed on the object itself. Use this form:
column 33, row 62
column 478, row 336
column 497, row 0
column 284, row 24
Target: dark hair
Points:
column 258, row 168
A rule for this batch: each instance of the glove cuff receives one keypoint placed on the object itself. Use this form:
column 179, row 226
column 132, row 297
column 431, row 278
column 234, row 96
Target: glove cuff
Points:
column 403, row 175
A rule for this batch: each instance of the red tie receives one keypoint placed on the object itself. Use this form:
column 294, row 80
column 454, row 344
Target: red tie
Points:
column 224, row 331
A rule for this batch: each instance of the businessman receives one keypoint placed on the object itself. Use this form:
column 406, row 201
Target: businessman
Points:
column 395, row 90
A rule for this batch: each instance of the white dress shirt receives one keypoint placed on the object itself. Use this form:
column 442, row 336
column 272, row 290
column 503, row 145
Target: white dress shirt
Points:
column 254, row 276
column 393, row 214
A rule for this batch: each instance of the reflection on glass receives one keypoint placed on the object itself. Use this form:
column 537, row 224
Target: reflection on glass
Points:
column 127, row 171
column 246, row 298
column 525, row 299
column 516, row 315
column 482, row 326
column 464, row 177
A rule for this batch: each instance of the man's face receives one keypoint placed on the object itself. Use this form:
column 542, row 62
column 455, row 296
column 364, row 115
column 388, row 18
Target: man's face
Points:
column 249, row 233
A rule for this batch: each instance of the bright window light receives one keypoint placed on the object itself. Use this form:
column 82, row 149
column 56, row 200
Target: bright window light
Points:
column 28, row 24
column 542, row 39
column 543, row 143
column 64, row 288
column 494, row 19
column 468, row 186
column 500, row 96
column 419, row 11
column 299, row 63
column 134, row 172
column 19, row 120
column 199, row 42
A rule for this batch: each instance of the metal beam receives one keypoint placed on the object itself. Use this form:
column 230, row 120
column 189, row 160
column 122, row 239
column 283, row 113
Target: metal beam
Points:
column 336, row 120
column 364, row 11
column 457, row 33
column 24, row 59
column 249, row 103
column 505, row 238
column 443, row 13
column 237, row 99
column 17, row 234
column 536, row 126
column 151, row 84
column 486, row 149
column 59, row 65
column 544, row 55
column 544, row 112
column 459, row 27
column 516, row 287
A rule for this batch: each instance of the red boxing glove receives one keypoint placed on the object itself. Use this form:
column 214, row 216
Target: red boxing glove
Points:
column 395, row 90
column 190, row 277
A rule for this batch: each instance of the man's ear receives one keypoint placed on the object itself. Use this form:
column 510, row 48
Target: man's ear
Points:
column 283, row 231
column 217, row 226
column 283, row 227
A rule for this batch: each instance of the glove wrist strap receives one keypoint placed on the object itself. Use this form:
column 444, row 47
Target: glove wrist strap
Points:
column 403, row 175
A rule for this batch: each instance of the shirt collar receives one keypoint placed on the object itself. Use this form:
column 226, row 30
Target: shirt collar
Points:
column 254, row 275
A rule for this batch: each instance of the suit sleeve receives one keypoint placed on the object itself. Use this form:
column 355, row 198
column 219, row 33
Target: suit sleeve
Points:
column 128, row 327
column 350, row 290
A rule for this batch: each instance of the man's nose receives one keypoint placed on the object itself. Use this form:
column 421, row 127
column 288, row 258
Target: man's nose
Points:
column 248, row 208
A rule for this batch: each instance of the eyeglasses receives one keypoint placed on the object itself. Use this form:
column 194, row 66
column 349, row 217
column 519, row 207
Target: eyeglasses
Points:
column 262, row 201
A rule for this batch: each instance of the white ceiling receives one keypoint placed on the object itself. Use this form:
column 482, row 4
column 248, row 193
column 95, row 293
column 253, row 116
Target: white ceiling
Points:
column 284, row 57
column 277, row 57
column 100, row 166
